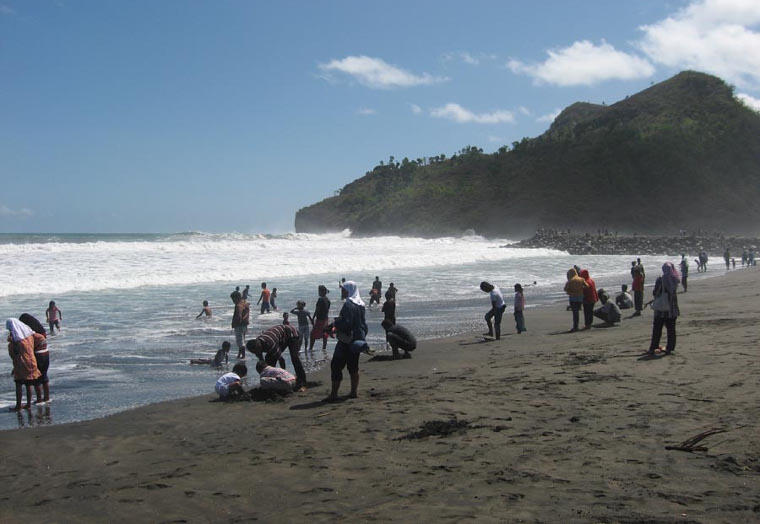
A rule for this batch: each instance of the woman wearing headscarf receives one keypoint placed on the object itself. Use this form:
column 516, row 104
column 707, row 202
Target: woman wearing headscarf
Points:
column 21, row 350
column 666, row 284
column 41, row 355
column 590, row 298
column 351, row 327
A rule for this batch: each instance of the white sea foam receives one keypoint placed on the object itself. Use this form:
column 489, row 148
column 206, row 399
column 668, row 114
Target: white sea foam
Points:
column 56, row 267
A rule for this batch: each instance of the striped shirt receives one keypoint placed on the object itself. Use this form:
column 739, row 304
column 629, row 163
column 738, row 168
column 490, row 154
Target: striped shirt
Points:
column 276, row 338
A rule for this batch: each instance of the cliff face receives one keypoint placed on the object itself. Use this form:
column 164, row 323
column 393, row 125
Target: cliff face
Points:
column 683, row 154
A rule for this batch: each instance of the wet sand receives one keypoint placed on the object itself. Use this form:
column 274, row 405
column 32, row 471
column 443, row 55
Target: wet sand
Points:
column 544, row 426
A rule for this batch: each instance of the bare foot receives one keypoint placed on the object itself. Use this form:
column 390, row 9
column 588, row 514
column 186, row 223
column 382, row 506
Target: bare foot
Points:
column 15, row 408
column 330, row 399
column 353, row 395
column 26, row 406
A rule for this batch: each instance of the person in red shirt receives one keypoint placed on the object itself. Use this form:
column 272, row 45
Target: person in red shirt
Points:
column 264, row 298
column 590, row 298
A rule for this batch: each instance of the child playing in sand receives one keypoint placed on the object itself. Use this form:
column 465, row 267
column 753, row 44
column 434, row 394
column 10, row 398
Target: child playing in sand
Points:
column 519, row 309
column 304, row 317
column 221, row 356
column 275, row 379
column 230, row 386
column 205, row 311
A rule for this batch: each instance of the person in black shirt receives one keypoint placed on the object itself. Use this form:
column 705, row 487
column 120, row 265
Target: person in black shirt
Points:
column 321, row 320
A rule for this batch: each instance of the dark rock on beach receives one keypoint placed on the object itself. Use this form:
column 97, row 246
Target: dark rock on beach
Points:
column 605, row 243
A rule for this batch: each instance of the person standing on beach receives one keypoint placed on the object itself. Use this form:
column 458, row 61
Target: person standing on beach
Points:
column 54, row 316
column 273, row 299
column 638, row 288
column 390, row 293
column 727, row 258
column 321, row 314
column 684, row 272
column 351, row 326
column 519, row 305
column 41, row 357
column 666, row 285
column 497, row 309
column 273, row 342
column 21, row 340
column 590, row 298
column 205, row 311
column 574, row 288
column 304, row 318
column 389, row 310
column 235, row 296
column 264, row 298
column 240, row 319
column 375, row 292
column 246, row 291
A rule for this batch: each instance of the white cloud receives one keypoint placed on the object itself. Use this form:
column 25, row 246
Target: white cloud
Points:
column 365, row 111
column 377, row 73
column 415, row 109
column 749, row 101
column 464, row 56
column 524, row 110
column 6, row 10
column 717, row 36
column 5, row 211
column 461, row 115
column 497, row 139
column 584, row 63
column 549, row 117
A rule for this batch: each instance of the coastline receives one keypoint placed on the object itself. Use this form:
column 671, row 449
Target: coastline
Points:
column 561, row 427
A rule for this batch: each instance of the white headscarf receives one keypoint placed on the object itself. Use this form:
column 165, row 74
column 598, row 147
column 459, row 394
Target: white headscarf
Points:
column 19, row 330
column 353, row 293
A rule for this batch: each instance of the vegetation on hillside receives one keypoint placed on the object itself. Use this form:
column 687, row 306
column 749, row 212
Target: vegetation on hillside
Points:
column 682, row 154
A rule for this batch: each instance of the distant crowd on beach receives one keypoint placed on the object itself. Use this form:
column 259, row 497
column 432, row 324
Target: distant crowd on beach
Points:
column 28, row 348
column 350, row 326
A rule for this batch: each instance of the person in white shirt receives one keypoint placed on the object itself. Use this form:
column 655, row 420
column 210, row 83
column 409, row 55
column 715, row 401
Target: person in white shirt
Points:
column 230, row 385
column 624, row 300
column 497, row 309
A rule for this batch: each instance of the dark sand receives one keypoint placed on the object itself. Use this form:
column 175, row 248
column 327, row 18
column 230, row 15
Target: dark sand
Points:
column 562, row 427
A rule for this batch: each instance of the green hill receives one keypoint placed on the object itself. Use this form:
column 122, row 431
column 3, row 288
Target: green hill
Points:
column 682, row 154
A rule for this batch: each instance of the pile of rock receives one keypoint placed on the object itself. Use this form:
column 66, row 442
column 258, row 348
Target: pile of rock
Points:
column 611, row 244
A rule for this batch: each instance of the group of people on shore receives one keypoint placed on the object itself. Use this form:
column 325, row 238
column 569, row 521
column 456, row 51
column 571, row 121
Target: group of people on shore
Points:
column 349, row 327
column 28, row 349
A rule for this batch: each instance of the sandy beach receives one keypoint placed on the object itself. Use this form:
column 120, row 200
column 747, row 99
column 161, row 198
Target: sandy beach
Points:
column 545, row 426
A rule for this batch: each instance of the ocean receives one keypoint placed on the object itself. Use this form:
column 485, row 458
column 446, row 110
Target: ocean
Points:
column 129, row 302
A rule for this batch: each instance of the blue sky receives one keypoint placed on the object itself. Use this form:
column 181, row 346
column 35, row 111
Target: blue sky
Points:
column 162, row 116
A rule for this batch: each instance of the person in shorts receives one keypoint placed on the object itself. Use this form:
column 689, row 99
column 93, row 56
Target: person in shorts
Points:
column 53, row 315
column 321, row 320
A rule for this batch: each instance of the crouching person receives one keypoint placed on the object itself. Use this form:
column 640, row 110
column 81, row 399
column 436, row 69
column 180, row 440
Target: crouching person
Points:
column 275, row 379
column 230, row 385
column 398, row 337
column 609, row 312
